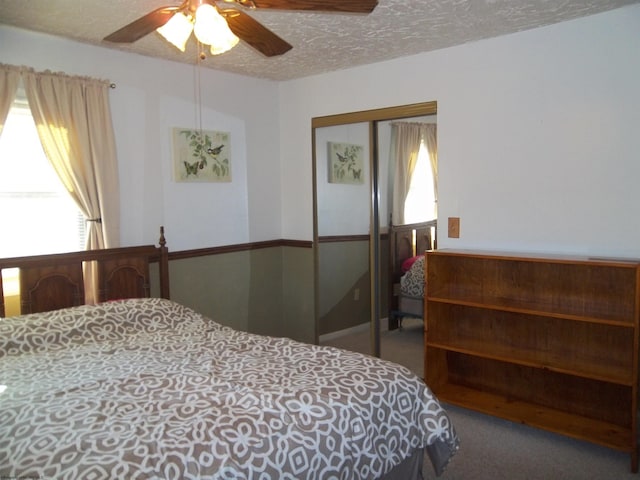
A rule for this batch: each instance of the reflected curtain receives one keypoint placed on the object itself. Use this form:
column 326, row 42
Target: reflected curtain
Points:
column 430, row 140
column 406, row 138
column 9, row 80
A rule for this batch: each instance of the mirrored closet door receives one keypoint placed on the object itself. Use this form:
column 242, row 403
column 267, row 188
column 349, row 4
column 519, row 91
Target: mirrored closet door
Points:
column 351, row 184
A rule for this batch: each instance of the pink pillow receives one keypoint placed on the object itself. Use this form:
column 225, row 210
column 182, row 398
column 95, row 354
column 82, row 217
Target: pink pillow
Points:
column 406, row 265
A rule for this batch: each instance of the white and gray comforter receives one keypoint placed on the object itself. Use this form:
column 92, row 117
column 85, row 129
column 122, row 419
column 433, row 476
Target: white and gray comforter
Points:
column 412, row 282
column 150, row 389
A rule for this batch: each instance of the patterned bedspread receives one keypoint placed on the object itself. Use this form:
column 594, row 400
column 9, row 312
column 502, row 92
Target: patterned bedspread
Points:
column 150, row 389
column 412, row 282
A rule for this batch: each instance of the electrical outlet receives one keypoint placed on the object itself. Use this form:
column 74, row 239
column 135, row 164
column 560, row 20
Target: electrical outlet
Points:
column 356, row 294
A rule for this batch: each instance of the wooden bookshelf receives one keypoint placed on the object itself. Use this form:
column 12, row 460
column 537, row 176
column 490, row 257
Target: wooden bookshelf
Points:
column 550, row 342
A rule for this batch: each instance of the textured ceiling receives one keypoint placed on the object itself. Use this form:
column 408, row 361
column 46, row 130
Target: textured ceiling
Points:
column 321, row 42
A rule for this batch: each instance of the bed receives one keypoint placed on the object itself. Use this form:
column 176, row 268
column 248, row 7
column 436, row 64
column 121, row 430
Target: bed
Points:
column 407, row 244
column 51, row 282
column 148, row 388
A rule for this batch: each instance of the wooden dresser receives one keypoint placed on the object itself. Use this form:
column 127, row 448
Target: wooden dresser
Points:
column 550, row 342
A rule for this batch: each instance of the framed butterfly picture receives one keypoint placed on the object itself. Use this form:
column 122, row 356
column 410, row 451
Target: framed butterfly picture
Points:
column 346, row 163
column 201, row 155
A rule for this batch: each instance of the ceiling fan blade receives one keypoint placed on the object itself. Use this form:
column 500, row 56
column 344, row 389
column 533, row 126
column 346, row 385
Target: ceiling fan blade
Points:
column 254, row 33
column 345, row 6
column 142, row 26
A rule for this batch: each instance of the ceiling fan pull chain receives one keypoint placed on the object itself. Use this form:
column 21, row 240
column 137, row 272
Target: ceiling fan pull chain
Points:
column 197, row 92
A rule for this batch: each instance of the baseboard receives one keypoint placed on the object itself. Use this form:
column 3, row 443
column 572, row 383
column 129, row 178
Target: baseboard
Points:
column 348, row 331
column 341, row 333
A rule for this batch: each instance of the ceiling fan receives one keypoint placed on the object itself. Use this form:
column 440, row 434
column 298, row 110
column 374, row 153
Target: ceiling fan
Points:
column 241, row 25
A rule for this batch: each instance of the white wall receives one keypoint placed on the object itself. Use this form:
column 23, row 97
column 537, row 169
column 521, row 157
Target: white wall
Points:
column 538, row 134
column 151, row 97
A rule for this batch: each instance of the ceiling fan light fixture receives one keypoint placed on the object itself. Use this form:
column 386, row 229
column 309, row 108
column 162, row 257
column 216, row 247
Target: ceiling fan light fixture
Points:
column 212, row 29
column 206, row 23
column 225, row 41
column 177, row 30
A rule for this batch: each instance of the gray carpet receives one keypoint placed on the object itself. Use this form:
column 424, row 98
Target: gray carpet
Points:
column 491, row 448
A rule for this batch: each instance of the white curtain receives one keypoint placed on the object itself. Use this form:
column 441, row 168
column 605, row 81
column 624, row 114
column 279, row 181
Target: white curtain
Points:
column 9, row 80
column 73, row 119
column 430, row 139
column 406, row 138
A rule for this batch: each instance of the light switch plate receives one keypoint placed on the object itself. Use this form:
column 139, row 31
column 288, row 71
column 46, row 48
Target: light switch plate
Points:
column 454, row 227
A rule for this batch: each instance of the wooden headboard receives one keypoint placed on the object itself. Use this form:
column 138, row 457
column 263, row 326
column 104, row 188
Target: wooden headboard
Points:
column 402, row 246
column 51, row 282
column 405, row 241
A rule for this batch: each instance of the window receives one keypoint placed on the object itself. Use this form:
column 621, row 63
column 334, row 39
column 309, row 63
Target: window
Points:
column 38, row 215
column 420, row 204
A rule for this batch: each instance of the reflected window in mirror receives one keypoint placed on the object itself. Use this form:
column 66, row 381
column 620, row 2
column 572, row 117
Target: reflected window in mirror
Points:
column 420, row 204
column 414, row 169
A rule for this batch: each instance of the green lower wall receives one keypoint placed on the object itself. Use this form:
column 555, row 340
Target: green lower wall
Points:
column 270, row 291
column 297, row 292
column 215, row 285
column 345, row 284
column 349, row 311
column 267, row 291
column 344, row 289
